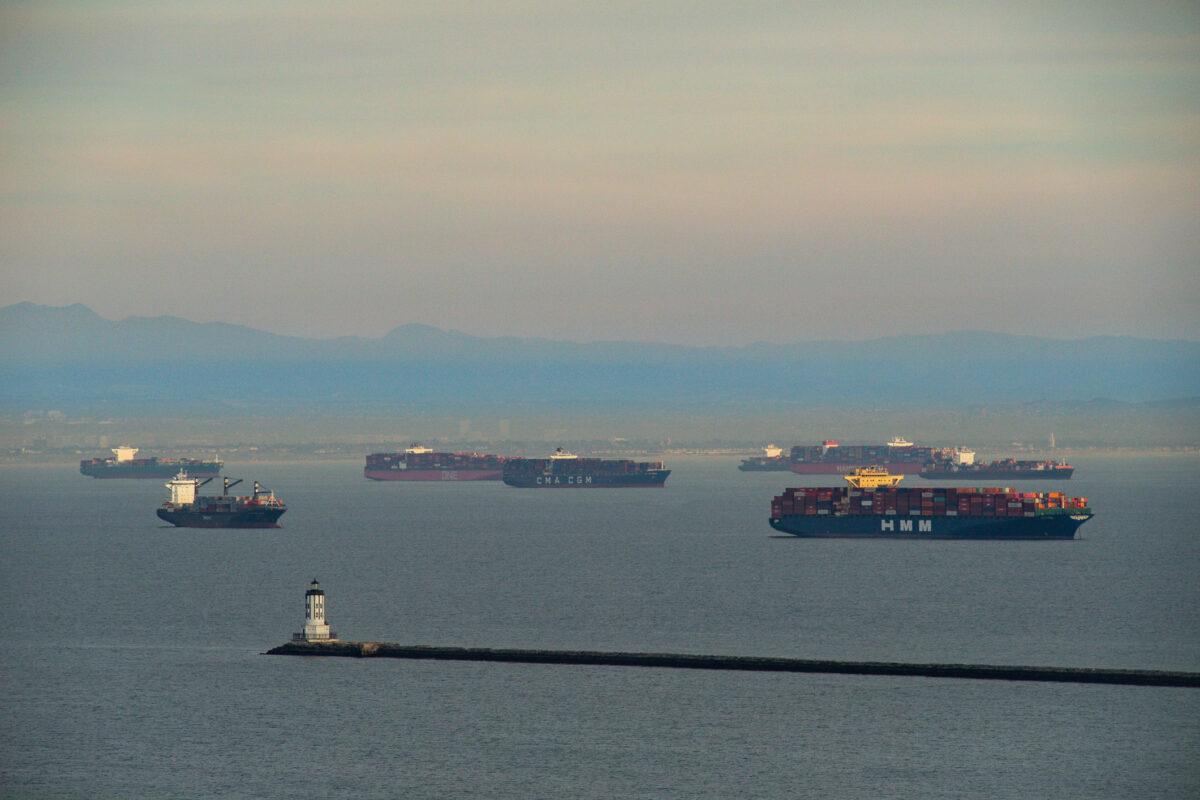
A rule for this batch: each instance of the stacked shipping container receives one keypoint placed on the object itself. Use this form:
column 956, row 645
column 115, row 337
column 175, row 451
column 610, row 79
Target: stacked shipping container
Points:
column 425, row 465
column 454, row 461
column 924, row 502
column 1004, row 469
column 591, row 466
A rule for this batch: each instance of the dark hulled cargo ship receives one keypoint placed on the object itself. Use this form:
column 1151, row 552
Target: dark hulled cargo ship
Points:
column 833, row 458
column 771, row 460
column 189, row 509
column 874, row 507
column 419, row 463
column 122, row 464
column 564, row 470
column 1002, row 470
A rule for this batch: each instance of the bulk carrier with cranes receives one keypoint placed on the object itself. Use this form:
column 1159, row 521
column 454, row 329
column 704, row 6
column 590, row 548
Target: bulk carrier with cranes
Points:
column 187, row 508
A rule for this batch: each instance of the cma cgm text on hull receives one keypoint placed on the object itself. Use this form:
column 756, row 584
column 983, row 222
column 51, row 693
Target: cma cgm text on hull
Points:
column 563, row 470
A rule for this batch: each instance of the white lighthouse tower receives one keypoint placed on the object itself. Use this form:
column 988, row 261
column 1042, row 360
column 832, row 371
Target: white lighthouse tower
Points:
column 316, row 629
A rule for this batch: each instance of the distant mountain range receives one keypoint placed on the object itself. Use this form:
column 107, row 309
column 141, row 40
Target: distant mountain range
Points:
column 73, row 358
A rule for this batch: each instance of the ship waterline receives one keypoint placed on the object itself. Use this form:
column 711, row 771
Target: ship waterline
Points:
column 1061, row 526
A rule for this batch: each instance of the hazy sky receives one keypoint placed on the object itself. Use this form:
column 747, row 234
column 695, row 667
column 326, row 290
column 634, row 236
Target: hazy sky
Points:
column 675, row 171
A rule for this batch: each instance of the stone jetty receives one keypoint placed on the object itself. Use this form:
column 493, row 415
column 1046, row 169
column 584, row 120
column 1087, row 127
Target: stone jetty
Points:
column 1126, row 677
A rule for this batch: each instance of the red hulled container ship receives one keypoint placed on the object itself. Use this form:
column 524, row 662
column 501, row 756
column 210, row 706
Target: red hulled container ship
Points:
column 419, row 463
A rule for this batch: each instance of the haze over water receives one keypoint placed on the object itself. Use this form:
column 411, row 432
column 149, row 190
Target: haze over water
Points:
column 132, row 664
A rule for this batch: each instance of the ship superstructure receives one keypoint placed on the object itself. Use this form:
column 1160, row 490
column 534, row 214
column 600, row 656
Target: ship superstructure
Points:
column 872, row 478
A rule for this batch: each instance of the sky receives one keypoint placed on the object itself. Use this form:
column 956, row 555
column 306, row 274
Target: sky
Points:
column 692, row 172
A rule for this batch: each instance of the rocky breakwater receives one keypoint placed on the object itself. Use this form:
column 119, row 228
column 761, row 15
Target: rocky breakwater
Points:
column 1128, row 677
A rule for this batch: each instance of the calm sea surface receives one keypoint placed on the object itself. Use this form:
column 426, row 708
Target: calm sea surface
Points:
column 131, row 666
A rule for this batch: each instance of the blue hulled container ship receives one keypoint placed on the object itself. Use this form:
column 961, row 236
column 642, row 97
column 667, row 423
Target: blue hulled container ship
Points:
column 872, row 506
column 1007, row 469
column 563, row 470
column 122, row 464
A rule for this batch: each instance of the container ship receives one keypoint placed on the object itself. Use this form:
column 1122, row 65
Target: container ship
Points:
column 1004, row 469
column 187, row 508
column 771, row 460
column 419, row 463
column 873, row 506
column 122, row 464
column 831, row 457
column 563, row 470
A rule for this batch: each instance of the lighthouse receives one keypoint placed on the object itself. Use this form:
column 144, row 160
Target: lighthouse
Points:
column 316, row 629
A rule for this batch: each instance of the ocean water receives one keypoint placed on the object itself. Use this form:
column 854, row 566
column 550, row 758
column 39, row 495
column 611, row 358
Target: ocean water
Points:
column 131, row 663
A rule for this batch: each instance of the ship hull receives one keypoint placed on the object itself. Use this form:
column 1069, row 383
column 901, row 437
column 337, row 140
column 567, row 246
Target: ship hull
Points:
column 765, row 466
column 652, row 479
column 874, row 526
column 249, row 518
column 1055, row 473
column 842, row 468
column 205, row 469
column 432, row 474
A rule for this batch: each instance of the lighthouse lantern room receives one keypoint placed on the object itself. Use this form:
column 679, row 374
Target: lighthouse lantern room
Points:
column 316, row 629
